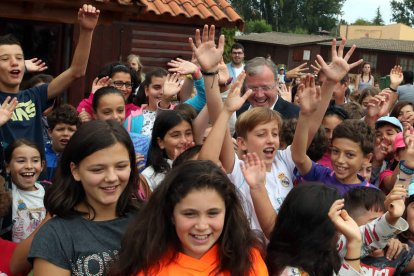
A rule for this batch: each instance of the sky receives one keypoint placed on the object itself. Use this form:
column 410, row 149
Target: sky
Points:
column 366, row 9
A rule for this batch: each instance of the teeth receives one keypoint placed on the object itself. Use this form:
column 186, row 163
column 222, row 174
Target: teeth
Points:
column 201, row 237
column 109, row 188
column 28, row 174
column 261, row 100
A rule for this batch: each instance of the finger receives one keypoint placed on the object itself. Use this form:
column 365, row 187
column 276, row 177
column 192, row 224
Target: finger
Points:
column 212, row 33
column 205, row 34
column 221, row 43
column 333, row 50
column 355, row 64
column 192, row 45
column 341, row 48
column 321, row 60
column 350, row 52
column 198, row 38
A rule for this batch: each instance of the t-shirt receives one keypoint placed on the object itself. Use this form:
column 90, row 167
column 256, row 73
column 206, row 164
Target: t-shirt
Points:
column 279, row 182
column 28, row 211
column 327, row 176
column 382, row 266
column 186, row 265
column 79, row 245
column 406, row 93
column 6, row 252
column 154, row 179
column 26, row 121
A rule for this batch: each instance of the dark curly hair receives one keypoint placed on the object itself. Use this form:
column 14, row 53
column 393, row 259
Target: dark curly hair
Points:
column 64, row 114
column 357, row 131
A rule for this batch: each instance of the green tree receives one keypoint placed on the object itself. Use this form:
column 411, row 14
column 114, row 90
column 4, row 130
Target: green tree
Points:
column 257, row 26
column 403, row 12
column 229, row 35
column 362, row 21
column 378, row 18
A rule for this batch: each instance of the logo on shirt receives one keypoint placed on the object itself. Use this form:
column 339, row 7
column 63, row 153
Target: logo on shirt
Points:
column 283, row 179
column 24, row 111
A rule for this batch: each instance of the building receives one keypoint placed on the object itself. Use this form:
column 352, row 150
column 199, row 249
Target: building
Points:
column 157, row 30
column 393, row 31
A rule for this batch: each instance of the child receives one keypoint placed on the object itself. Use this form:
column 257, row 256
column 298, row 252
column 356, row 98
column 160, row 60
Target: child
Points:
column 24, row 163
column 172, row 134
column 26, row 120
column 109, row 103
column 193, row 224
column 117, row 75
column 365, row 205
column 63, row 122
column 351, row 144
column 91, row 203
column 135, row 63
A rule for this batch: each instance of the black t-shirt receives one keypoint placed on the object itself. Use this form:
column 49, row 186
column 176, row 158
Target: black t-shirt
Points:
column 383, row 266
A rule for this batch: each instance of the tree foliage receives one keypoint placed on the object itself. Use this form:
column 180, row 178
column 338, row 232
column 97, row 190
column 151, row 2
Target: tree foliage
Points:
column 362, row 21
column 403, row 11
column 378, row 18
column 288, row 16
column 257, row 26
column 229, row 35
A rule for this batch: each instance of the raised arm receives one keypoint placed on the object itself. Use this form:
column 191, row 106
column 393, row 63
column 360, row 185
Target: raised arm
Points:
column 6, row 109
column 309, row 98
column 88, row 18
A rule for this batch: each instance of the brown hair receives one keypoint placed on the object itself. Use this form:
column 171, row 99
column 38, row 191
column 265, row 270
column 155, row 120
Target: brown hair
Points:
column 255, row 116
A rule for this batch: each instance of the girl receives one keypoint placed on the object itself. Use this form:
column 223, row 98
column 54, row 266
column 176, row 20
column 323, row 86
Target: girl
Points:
column 117, row 75
column 135, row 63
column 404, row 111
column 172, row 134
column 366, row 95
column 109, row 103
column 193, row 224
column 24, row 163
column 91, row 203
column 366, row 79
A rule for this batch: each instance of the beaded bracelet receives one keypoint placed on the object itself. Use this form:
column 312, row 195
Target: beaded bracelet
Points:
column 405, row 169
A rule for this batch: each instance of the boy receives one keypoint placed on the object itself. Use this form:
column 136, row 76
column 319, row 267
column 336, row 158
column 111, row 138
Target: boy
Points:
column 351, row 145
column 26, row 120
column 63, row 122
column 364, row 205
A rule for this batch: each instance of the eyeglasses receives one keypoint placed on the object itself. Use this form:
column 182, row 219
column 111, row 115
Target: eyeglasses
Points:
column 237, row 53
column 119, row 84
column 262, row 88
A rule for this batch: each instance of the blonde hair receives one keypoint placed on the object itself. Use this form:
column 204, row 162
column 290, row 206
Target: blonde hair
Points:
column 249, row 119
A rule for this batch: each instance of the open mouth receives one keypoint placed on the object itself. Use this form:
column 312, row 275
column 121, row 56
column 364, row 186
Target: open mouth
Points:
column 15, row 73
column 260, row 101
column 268, row 152
column 64, row 141
column 200, row 238
column 28, row 174
column 110, row 189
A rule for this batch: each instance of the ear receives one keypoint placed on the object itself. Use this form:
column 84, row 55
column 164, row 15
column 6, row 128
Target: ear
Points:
column 146, row 90
column 241, row 143
column 75, row 171
column 7, row 168
column 49, row 131
column 43, row 165
column 160, row 143
column 368, row 157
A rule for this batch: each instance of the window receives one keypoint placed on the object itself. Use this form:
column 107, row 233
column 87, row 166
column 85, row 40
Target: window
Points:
column 407, row 64
column 301, row 55
column 372, row 59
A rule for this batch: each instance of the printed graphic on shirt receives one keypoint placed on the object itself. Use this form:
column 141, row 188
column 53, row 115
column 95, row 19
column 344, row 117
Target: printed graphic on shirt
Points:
column 93, row 264
column 24, row 111
column 26, row 221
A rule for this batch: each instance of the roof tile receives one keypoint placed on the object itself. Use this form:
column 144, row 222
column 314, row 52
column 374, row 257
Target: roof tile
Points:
column 219, row 10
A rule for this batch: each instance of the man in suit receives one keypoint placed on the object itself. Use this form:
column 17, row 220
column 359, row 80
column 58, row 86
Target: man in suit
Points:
column 260, row 77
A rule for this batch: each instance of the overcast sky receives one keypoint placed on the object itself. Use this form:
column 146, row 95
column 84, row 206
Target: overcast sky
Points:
column 366, row 9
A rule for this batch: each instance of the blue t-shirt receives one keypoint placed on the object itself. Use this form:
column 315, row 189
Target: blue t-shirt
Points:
column 327, row 176
column 52, row 159
column 26, row 121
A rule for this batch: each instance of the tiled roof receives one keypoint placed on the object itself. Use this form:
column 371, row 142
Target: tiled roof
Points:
column 287, row 39
column 390, row 45
column 217, row 10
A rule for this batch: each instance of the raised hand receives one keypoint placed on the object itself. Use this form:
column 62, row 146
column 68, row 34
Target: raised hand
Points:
column 408, row 135
column 172, row 86
column 7, row 109
column 205, row 50
column 396, row 76
column 35, row 65
column 224, row 74
column 297, row 71
column 339, row 66
column 394, row 201
column 185, row 146
column 84, row 116
column 378, row 106
column 254, row 170
column 343, row 221
column 182, row 67
column 234, row 100
column 309, row 95
column 99, row 83
column 88, row 17
column 285, row 93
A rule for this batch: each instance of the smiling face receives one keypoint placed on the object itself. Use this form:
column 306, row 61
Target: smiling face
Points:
column 154, row 91
column 60, row 135
column 384, row 139
column 11, row 68
column 347, row 159
column 330, row 122
column 122, row 81
column 199, row 221
column 263, row 140
column 176, row 139
column 25, row 167
column 264, row 88
column 111, row 106
column 104, row 175
column 405, row 113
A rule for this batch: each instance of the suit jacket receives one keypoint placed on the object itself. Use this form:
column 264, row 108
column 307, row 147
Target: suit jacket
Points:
column 286, row 109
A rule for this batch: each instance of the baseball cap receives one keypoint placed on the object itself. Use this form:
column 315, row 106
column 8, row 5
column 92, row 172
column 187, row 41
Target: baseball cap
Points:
column 399, row 141
column 388, row 120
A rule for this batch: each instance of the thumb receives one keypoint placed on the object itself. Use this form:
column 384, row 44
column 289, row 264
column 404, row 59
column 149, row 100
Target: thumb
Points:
column 83, row 109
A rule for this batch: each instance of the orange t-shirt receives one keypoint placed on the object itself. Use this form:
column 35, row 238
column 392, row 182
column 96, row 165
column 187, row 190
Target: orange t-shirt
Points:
column 186, row 265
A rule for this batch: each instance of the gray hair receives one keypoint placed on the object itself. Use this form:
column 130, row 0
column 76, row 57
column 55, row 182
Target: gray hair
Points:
column 255, row 66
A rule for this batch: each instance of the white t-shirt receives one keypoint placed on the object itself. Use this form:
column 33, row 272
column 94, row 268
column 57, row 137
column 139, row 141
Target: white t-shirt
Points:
column 154, row 179
column 28, row 211
column 279, row 182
